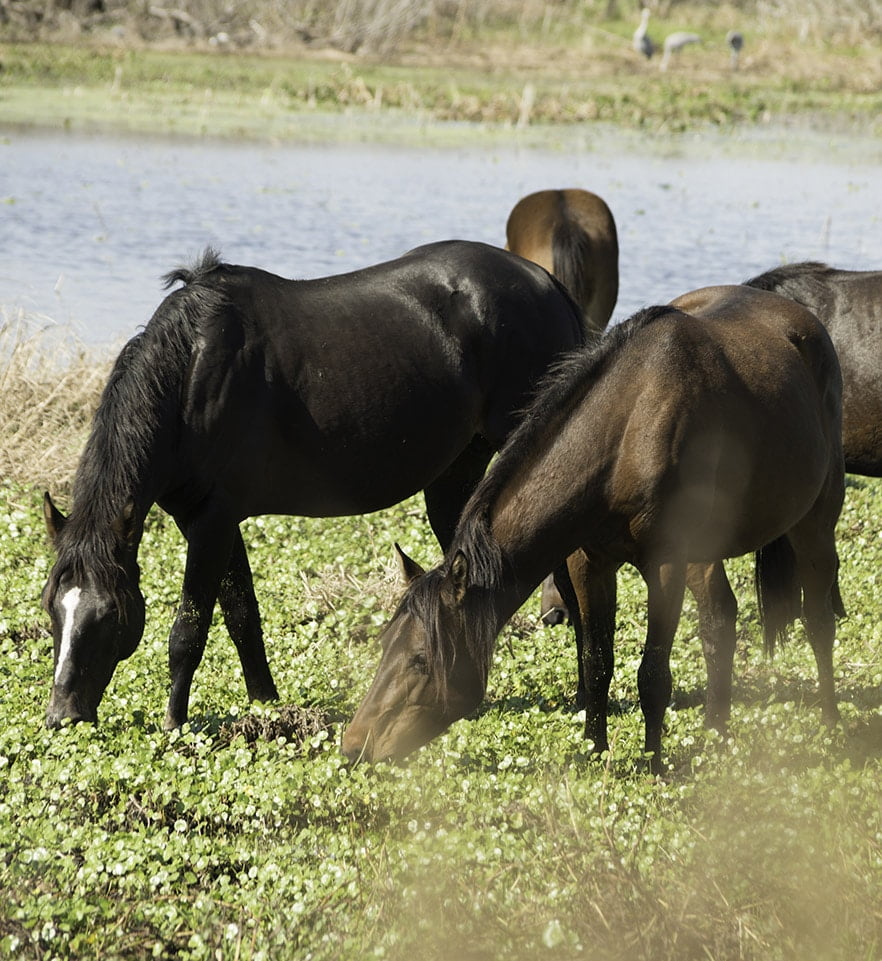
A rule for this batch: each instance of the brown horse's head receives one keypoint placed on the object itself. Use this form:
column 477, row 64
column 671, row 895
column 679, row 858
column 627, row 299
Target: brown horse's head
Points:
column 429, row 674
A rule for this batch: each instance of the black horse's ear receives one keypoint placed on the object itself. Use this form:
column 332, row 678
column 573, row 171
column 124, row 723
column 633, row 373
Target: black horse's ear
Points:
column 55, row 520
column 459, row 575
column 124, row 525
column 410, row 570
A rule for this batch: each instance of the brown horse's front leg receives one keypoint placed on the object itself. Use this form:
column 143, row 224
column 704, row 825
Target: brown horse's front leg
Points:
column 595, row 589
column 666, row 584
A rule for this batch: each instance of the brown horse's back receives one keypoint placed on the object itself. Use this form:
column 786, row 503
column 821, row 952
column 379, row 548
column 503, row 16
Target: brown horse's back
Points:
column 572, row 234
column 715, row 429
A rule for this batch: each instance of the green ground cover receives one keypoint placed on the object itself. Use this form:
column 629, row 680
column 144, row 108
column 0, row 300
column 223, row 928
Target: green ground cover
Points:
column 499, row 840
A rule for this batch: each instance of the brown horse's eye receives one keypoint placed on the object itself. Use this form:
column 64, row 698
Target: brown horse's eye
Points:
column 419, row 663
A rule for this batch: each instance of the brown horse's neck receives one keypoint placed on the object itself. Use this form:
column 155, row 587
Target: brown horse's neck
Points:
column 538, row 520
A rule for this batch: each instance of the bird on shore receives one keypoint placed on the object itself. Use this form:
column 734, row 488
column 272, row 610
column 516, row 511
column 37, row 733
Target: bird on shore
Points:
column 735, row 40
column 674, row 43
column 642, row 42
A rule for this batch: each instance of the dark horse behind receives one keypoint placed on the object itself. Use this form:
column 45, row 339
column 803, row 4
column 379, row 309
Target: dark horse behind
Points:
column 249, row 394
column 692, row 433
column 849, row 304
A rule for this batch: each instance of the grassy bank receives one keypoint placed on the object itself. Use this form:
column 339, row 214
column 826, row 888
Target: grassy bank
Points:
column 554, row 64
column 244, row 836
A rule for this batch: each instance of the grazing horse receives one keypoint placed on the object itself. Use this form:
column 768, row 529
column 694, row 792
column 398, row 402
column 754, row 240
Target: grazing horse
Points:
column 572, row 234
column 250, row 394
column 849, row 304
column 693, row 432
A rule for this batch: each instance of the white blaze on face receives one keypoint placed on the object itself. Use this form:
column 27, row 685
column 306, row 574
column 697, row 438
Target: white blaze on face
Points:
column 69, row 602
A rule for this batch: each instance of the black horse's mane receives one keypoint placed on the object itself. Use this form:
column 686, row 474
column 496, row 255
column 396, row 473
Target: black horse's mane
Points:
column 791, row 277
column 556, row 395
column 136, row 415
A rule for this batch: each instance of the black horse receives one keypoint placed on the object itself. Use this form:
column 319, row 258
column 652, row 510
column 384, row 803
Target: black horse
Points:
column 849, row 304
column 250, row 394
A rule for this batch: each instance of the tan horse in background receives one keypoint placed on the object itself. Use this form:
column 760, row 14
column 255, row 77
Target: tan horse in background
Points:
column 572, row 234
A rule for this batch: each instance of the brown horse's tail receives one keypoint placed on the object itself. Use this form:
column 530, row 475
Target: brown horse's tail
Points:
column 570, row 250
column 778, row 591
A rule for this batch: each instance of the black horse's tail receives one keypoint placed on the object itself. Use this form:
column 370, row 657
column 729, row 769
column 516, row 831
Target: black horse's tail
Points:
column 209, row 261
column 778, row 591
column 570, row 251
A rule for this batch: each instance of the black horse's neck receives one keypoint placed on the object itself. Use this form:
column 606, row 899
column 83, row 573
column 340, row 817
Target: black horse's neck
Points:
column 127, row 458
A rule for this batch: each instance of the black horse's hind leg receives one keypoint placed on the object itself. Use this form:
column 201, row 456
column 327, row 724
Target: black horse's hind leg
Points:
column 563, row 584
column 447, row 494
column 242, row 617
column 595, row 588
column 208, row 557
column 717, row 612
column 553, row 607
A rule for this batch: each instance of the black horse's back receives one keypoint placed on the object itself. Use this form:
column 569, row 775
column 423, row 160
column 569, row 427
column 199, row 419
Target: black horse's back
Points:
column 849, row 304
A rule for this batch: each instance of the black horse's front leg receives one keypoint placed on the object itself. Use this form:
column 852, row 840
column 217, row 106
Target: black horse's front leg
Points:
column 208, row 557
column 242, row 617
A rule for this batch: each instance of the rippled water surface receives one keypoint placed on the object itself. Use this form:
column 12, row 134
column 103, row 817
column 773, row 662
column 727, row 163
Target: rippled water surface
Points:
column 88, row 225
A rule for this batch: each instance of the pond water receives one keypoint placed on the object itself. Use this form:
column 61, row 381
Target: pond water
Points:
column 89, row 224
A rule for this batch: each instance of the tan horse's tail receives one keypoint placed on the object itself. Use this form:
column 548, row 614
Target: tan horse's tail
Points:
column 570, row 252
column 778, row 591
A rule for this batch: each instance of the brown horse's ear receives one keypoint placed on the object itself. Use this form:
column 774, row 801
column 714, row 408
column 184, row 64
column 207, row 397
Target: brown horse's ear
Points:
column 55, row 520
column 410, row 570
column 459, row 575
column 124, row 525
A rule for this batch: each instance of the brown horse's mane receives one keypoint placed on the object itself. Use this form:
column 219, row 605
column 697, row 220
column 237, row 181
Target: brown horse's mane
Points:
column 556, row 395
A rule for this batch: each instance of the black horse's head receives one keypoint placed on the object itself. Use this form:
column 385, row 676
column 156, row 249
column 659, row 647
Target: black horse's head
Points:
column 97, row 613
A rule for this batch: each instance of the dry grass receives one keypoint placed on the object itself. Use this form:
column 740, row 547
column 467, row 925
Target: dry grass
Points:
column 49, row 388
column 381, row 27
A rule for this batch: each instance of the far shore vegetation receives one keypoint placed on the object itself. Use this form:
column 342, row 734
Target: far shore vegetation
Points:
column 260, row 70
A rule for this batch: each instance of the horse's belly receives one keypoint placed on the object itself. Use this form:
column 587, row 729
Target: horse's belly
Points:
column 344, row 476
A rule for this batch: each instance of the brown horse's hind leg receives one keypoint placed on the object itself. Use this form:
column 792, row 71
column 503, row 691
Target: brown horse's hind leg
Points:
column 717, row 611
column 447, row 494
column 594, row 619
column 242, row 617
column 666, row 584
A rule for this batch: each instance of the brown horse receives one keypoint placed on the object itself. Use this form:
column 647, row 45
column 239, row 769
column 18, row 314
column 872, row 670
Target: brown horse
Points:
column 849, row 304
column 572, row 234
column 691, row 433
